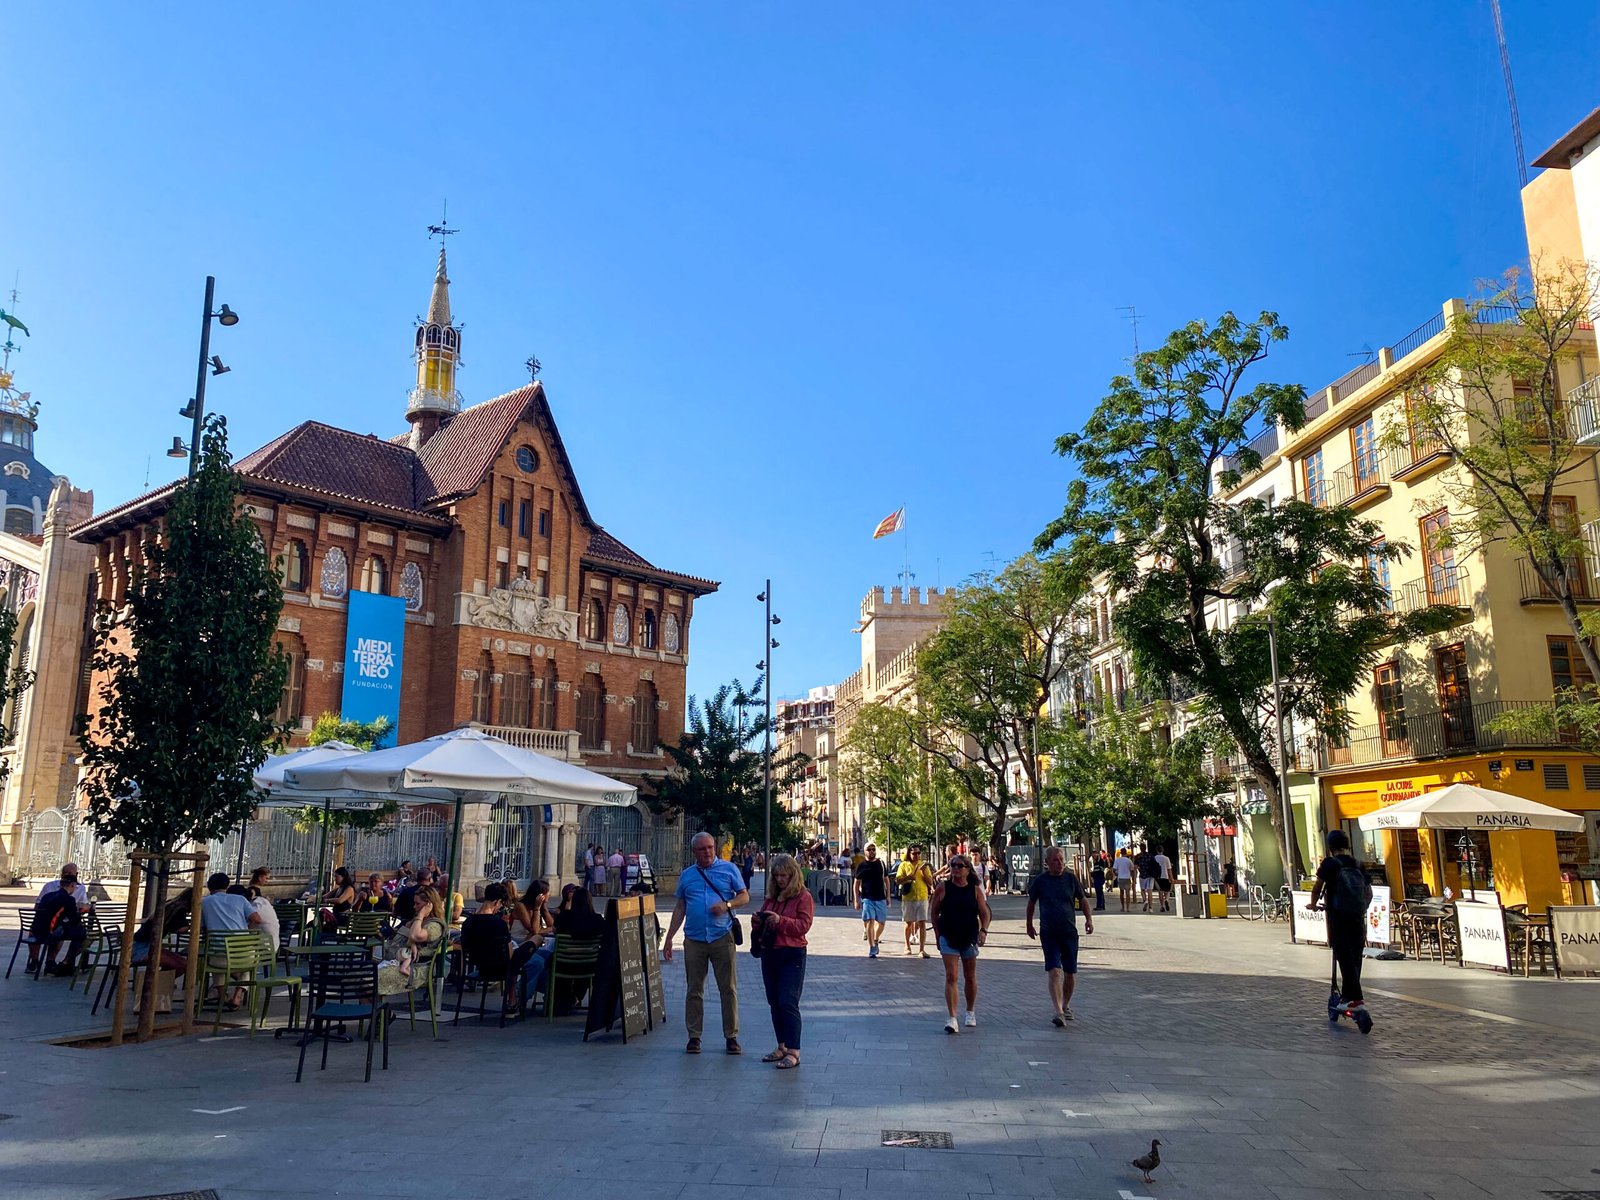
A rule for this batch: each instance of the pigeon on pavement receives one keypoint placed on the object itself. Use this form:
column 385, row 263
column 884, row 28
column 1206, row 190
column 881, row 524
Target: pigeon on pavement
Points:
column 1149, row 1162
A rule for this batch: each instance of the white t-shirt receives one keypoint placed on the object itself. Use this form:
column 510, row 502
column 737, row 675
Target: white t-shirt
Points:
column 1163, row 867
column 1123, row 866
column 269, row 919
column 79, row 892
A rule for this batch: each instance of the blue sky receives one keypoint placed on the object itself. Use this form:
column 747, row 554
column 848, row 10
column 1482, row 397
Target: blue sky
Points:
column 788, row 267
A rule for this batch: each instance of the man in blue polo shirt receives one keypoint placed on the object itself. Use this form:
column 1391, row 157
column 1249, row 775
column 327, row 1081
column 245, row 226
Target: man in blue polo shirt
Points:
column 708, row 892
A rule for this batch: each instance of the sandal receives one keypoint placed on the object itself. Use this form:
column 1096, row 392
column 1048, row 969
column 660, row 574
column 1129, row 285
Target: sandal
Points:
column 775, row 1056
column 789, row 1061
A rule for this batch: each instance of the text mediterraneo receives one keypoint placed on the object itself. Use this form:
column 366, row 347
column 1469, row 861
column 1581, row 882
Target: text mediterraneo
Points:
column 373, row 659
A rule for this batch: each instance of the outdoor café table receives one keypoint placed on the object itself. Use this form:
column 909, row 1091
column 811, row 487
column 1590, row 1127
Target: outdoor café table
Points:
column 1430, row 920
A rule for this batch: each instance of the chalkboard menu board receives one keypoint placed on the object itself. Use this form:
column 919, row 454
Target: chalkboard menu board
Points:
column 627, row 981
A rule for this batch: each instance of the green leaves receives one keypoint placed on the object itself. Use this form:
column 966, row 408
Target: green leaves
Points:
column 186, row 715
column 718, row 780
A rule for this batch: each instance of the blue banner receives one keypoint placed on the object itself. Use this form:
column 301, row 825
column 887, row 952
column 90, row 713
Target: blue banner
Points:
column 373, row 642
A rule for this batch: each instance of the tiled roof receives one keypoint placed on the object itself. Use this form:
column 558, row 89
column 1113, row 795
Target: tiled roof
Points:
column 603, row 545
column 337, row 462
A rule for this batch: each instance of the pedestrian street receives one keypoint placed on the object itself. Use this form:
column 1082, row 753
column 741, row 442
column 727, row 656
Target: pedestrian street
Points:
column 1207, row 1035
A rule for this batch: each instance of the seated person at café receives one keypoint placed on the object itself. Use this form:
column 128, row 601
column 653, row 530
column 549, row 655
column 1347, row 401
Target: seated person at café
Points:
column 404, row 877
column 271, row 931
column 411, row 942
column 174, row 920
column 577, row 922
column 57, row 919
column 531, row 914
column 486, row 938
column 374, row 898
column 224, row 912
column 338, row 900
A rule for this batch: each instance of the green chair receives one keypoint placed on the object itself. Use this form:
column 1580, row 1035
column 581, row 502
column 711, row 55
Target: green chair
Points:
column 248, row 954
column 365, row 925
column 575, row 959
column 430, row 967
column 98, row 951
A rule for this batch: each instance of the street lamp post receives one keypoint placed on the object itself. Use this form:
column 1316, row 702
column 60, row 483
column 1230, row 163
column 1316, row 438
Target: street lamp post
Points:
column 765, row 666
column 1283, row 763
column 196, row 408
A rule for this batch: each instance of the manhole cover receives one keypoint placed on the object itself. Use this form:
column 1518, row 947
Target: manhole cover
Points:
column 918, row 1139
column 208, row 1194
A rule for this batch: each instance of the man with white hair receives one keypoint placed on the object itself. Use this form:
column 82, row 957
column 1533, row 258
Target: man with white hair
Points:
column 1058, row 893
column 708, row 892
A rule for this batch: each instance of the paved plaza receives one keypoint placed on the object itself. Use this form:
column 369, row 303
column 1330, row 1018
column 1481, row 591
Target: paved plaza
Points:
column 1209, row 1035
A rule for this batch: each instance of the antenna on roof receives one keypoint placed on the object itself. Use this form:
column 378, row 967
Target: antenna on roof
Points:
column 1133, row 315
column 1366, row 354
column 1511, row 90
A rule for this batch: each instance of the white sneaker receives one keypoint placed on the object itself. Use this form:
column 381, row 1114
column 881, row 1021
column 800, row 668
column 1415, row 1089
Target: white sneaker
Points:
column 950, row 1026
column 1067, row 1013
column 972, row 1019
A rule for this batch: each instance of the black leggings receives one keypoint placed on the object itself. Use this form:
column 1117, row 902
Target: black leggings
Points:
column 783, row 970
column 1347, row 934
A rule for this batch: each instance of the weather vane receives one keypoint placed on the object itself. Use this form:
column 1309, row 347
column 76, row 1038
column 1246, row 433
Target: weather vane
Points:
column 443, row 227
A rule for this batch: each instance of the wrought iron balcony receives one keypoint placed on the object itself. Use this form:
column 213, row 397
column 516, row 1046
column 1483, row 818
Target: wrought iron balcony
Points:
column 1434, row 733
column 1583, row 412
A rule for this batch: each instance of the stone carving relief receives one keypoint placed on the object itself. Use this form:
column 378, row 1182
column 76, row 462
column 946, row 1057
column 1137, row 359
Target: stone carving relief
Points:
column 669, row 634
column 619, row 624
column 335, row 574
column 519, row 608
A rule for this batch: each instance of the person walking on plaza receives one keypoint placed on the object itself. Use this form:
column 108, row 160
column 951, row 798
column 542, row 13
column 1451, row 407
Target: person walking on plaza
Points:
column 872, row 897
column 1122, row 868
column 708, row 892
column 615, row 866
column 780, row 930
column 1145, row 863
column 1058, row 894
column 1349, row 892
column 1097, row 876
column 1163, row 878
column 914, row 880
column 961, row 925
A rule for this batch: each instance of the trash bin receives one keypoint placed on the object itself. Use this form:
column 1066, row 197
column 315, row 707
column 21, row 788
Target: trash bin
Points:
column 1216, row 904
column 1191, row 904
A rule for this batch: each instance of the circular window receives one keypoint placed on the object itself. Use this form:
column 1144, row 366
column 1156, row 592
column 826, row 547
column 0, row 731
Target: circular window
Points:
column 527, row 459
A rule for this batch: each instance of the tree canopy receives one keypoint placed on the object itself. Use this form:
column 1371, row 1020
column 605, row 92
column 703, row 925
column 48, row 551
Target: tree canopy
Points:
column 1194, row 574
column 918, row 802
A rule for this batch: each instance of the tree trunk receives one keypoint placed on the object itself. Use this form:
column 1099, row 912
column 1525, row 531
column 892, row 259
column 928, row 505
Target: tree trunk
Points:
column 152, row 971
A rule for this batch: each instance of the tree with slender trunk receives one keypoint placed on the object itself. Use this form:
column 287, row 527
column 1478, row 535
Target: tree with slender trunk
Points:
column 1191, row 574
column 191, row 682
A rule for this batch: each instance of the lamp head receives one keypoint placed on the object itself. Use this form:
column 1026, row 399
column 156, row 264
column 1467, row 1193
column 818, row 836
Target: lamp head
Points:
column 178, row 450
column 762, row 665
column 761, row 596
column 227, row 316
column 217, row 367
column 187, row 411
column 777, row 620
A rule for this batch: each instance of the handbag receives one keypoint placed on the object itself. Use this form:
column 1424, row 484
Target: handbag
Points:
column 738, row 929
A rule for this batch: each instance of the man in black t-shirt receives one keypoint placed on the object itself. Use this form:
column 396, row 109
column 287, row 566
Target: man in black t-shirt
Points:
column 486, row 939
column 1343, row 884
column 1058, row 894
column 872, row 897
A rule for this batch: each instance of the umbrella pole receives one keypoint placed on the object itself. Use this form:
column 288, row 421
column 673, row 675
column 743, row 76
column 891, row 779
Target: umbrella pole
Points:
column 455, row 854
column 244, row 827
column 322, row 850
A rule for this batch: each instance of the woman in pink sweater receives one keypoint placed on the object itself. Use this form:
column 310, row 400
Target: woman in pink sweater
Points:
column 780, row 930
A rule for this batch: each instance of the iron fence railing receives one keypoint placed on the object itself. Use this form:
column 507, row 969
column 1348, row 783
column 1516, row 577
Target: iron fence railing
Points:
column 1351, row 382
column 1446, row 584
column 1583, row 411
column 1369, row 472
column 1429, row 329
column 1436, row 733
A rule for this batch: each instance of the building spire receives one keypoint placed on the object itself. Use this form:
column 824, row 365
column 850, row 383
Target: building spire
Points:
column 435, row 400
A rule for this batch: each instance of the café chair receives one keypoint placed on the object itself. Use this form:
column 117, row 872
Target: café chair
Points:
column 504, row 982
column 367, row 925
column 248, row 954
column 344, row 988
column 575, row 959
column 25, row 938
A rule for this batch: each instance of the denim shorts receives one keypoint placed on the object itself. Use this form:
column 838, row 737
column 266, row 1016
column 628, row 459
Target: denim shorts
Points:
column 1060, row 950
column 874, row 910
column 970, row 952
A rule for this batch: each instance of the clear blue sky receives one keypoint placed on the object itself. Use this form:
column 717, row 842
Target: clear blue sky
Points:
column 788, row 266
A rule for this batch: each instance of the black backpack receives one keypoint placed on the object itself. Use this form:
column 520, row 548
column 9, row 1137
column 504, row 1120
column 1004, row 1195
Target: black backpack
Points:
column 1351, row 890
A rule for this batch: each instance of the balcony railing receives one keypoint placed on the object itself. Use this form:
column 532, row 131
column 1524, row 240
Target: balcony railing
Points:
column 1580, row 572
column 1436, row 733
column 1447, row 584
column 557, row 743
column 1583, row 412
column 1366, row 477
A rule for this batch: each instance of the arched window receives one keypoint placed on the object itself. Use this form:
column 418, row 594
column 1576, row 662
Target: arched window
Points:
column 296, row 567
column 547, row 698
column 483, row 691
column 292, row 702
column 595, row 627
column 514, row 689
column 644, row 718
column 19, row 521
column 592, row 713
column 375, row 575
column 621, row 631
column 647, row 630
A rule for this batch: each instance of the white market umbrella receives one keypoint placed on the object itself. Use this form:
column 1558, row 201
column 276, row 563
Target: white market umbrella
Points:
column 461, row 767
column 1467, row 806
column 269, row 778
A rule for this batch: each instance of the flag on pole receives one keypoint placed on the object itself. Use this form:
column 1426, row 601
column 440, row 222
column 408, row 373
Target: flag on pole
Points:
column 893, row 523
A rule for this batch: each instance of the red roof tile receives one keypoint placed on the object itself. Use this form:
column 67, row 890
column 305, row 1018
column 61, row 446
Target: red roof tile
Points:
column 322, row 458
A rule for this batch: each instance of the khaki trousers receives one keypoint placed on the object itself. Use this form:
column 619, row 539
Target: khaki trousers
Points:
column 720, row 957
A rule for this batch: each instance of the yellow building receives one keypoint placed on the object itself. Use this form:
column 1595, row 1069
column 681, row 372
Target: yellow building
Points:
column 1425, row 718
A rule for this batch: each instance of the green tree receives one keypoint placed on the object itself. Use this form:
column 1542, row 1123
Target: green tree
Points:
column 918, row 802
column 363, row 735
column 984, row 679
column 717, row 778
column 1147, row 514
column 192, row 679
column 1120, row 771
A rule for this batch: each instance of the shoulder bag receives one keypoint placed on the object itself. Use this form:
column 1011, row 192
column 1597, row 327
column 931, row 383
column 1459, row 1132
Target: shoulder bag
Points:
column 738, row 929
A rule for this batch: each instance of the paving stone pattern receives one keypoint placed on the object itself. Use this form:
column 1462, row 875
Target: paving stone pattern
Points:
column 1211, row 1036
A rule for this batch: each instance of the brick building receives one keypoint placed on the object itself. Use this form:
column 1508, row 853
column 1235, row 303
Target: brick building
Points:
column 523, row 615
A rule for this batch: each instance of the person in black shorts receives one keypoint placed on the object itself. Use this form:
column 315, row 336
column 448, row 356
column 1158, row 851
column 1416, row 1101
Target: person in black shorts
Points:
column 1058, row 894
